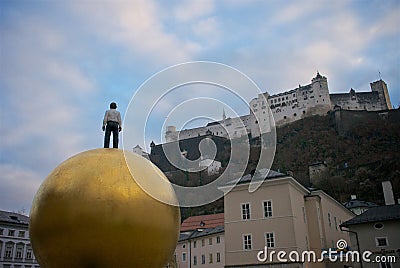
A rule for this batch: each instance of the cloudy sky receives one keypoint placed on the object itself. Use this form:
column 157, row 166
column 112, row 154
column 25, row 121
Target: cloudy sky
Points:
column 63, row 62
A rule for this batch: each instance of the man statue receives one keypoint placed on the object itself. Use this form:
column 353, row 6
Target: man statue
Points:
column 112, row 123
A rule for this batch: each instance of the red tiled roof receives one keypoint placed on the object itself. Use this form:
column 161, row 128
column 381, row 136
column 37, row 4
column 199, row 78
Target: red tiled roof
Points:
column 202, row 221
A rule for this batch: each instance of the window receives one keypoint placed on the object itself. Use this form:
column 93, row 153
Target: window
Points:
column 210, row 241
column 218, row 257
column 218, row 239
column 184, row 246
column 19, row 252
column 11, row 232
column 334, row 219
column 202, row 243
column 194, row 244
column 203, row 259
column 307, row 246
column 29, row 254
column 269, row 240
column 184, row 257
column 1, row 231
column 247, row 242
column 381, row 241
column 9, row 251
column 329, row 220
column 267, row 209
column 246, row 211
column 211, row 258
column 304, row 215
column 21, row 234
column 194, row 260
column 385, row 265
column 378, row 226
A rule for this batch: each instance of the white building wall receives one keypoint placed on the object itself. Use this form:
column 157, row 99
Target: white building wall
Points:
column 15, row 247
column 214, row 252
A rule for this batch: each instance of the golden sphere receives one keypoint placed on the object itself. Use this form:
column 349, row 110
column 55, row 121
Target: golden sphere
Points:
column 90, row 212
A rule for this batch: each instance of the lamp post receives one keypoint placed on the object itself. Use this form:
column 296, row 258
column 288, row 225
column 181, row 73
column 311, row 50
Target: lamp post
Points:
column 358, row 243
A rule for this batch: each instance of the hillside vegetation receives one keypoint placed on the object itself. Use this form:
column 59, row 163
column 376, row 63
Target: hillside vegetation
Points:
column 358, row 150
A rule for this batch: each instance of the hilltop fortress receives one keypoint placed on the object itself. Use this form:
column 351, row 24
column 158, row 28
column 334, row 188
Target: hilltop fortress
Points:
column 287, row 107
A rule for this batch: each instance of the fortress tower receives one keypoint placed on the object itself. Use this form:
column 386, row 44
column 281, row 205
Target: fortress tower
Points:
column 384, row 99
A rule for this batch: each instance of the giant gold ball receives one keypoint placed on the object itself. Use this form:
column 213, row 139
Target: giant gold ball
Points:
column 90, row 212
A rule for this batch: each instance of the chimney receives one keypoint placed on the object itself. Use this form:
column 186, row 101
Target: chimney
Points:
column 388, row 193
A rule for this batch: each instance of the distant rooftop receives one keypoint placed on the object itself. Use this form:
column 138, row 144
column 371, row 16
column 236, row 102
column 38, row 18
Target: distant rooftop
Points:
column 262, row 174
column 200, row 233
column 374, row 214
column 12, row 217
column 202, row 222
column 358, row 204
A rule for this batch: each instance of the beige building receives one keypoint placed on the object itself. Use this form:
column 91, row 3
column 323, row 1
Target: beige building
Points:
column 15, row 247
column 377, row 230
column 281, row 215
column 201, row 248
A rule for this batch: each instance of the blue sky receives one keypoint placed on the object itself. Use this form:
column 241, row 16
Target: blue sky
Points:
column 63, row 62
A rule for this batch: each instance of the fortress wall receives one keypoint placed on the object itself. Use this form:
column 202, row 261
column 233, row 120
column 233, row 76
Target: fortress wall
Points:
column 290, row 106
column 346, row 121
column 363, row 101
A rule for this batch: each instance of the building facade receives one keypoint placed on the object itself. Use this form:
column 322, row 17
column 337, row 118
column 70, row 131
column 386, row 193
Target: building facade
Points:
column 15, row 247
column 377, row 230
column 201, row 248
column 268, row 111
column 281, row 215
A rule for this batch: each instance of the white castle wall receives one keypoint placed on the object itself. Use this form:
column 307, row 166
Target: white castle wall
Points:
column 287, row 107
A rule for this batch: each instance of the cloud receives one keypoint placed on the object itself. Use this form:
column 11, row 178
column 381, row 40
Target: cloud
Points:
column 43, row 121
column 41, row 100
column 19, row 187
column 387, row 24
column 137, row 27
column 194, row 9
column 209, row 31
